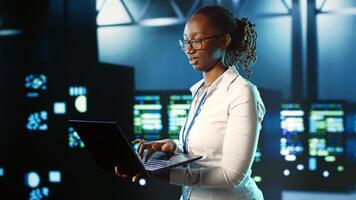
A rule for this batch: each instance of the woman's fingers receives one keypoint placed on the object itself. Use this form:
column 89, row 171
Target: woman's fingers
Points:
column 136, row 141
column 166, row 148
column 136, row 177
column 140, row 143
column 150, row 152
column 152, row 147
column 141, row 149
column 118, row 172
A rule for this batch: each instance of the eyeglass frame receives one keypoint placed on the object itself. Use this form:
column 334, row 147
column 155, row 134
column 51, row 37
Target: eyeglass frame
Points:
column 183, row 43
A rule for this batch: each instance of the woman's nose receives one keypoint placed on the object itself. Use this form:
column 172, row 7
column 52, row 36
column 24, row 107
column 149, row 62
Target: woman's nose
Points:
column 189, row 49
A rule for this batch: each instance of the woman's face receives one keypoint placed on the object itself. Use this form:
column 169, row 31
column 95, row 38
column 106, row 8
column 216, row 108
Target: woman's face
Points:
column 198, row 27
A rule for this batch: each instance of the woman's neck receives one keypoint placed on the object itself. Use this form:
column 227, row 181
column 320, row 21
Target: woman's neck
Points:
column 214, row 73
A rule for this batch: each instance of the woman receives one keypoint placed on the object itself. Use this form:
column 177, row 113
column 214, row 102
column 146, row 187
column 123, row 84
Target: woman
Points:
column 226, row 112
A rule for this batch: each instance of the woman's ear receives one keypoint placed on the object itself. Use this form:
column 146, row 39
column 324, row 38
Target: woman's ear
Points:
column 226, row 41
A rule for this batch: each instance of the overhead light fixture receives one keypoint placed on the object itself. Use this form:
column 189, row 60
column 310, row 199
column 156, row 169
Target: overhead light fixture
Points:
column 145, row 13
column 112, row 12
column 161, row 13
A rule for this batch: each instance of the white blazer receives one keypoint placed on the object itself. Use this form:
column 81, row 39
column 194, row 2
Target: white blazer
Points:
column 225, row 133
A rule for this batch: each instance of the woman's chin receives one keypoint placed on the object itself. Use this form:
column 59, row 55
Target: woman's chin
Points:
column 197, row 67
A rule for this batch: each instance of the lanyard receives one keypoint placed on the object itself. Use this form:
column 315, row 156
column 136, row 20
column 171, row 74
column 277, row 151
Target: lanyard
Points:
column 197, row 111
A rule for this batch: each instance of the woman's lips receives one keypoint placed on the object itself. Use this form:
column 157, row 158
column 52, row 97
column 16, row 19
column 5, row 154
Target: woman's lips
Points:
column 193, row 61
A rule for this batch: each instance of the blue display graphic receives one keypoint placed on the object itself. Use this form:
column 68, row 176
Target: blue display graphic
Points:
column 2, row 172
column 34, row 83
column 80, row 101
column 32, row 179
column 291, row 142
column 74, row 140
column 39, row 187
column 178, row 108
column 39, row 193
column 54, row 176
column 59, row 108
column 147, row 117
column 75, row 91
column 326, row 138
column 37, row 121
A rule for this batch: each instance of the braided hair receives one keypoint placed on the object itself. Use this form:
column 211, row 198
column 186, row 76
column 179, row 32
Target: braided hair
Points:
column 241, row 52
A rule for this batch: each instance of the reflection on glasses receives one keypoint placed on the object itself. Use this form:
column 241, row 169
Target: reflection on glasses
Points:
column 195, row 44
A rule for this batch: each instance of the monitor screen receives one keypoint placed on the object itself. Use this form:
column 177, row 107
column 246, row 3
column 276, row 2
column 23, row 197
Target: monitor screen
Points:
column 147, row 113
column 177, row 110
column 292, row 125
column 326, row 137
column 292, row 142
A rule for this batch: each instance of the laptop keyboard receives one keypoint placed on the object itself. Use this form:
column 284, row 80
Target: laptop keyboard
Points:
column 154, row 164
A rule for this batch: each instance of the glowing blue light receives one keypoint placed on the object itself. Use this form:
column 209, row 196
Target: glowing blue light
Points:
column 36, row 121
column 59, row 108
column 142, row 182
column 312, row 164
column 283, row 140
column 290, row 157
column 164, row 21
column 54, row 176
column 1, row 172
column 300, row 167
column 10, row 32
column 33, row 94
column 38, row 193
column 32, row 179
column 74, row 140
column 326, row 174
column 45, row 191
column 286, row 172
column 77, row 91
column 36, row 82
column 292, row 113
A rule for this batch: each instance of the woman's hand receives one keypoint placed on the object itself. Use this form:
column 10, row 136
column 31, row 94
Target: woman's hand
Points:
column 166, row 146
column 121, row 174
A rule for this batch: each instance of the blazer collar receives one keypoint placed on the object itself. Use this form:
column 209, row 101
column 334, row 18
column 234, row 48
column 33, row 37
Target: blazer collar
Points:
column 223, row 81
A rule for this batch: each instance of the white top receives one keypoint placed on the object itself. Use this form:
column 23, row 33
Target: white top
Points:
column 226, row 134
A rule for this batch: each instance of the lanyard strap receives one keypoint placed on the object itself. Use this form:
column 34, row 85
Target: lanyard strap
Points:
column 197, row 111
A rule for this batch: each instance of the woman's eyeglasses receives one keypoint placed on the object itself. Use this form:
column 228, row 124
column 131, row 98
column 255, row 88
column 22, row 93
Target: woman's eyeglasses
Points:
column 195, row 44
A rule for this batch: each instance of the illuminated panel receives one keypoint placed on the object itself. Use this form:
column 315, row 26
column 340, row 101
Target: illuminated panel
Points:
column 34, row 84
column 291, row 142
column 325, row 142
column 147, row 117
column 74, row 141
column 177, row 109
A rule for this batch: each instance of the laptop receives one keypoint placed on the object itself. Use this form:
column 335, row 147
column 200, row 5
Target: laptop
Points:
column 109, row 147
